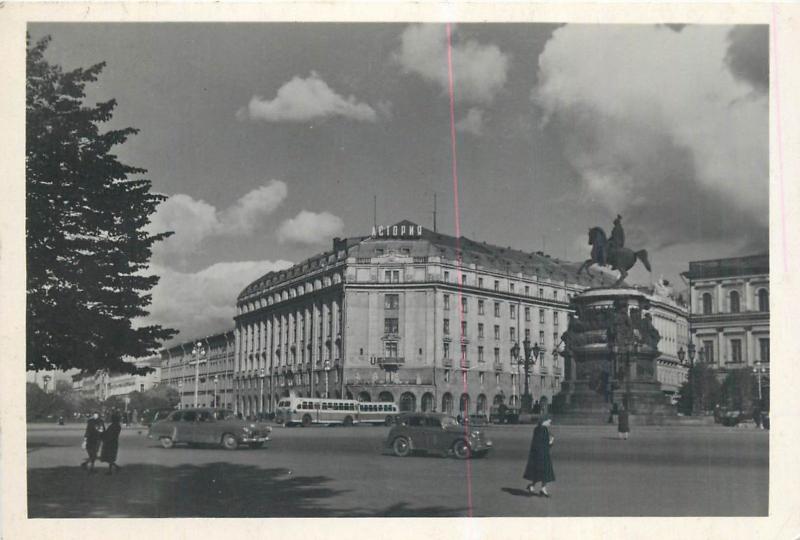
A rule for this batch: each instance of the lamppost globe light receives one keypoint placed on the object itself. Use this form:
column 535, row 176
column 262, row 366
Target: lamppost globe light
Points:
column 681, row 354
column 692, row 350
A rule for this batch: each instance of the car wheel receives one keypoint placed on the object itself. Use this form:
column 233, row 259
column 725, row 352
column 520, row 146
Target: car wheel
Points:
column 229, row 442
column 306, row 421
column 348, row 420
column 256, row 445
column 388, row 421
column 166, row 442
column 461, row 449
column 401, row 447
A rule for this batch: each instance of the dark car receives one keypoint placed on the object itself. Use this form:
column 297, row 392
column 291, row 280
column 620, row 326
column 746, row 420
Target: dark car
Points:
column 438, row 433
column 208, row 426
column 732, row 418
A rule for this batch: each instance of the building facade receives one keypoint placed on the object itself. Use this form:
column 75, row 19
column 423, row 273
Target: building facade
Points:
column 207, row 383
column 671, row 319
column 729, row 320
column 406, row 315
column 102, row 384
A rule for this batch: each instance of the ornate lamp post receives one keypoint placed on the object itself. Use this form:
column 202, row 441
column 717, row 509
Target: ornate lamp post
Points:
column 180, row 393
column 198, row 352
column 759, row 370
column 261, row 374
column 46, row 380
column 216, row 381
column 531, row 355
column 327, row 368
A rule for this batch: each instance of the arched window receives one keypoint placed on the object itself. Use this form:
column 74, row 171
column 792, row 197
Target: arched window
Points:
column 386, row 397
column 427, row 402
column 734, row 301
column 707, row 303
column 447, row 403
column 480, row 407
column 498, row 399
column 408, row 402
column 763, row 300
column 364, row 396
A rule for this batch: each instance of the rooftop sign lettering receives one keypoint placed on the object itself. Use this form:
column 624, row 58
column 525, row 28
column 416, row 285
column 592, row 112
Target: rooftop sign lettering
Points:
column 397, row 231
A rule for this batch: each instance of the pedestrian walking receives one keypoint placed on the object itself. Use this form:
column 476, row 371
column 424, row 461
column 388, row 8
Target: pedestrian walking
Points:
column 92, row 439
column 111, row 444
column 757, row 416
column 539, row 468
column 623, row 426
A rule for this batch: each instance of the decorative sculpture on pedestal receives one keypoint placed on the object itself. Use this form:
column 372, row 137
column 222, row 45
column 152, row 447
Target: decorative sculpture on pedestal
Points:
column 612, row 252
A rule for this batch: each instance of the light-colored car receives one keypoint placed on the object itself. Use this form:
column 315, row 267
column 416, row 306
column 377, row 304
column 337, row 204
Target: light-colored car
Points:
column 208, row 426
column 438, row 433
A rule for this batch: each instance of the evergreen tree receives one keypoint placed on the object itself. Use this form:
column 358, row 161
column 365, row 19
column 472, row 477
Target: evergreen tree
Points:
column 86, row 245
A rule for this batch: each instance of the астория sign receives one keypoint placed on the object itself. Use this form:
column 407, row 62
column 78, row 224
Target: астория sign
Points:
column 397, row 231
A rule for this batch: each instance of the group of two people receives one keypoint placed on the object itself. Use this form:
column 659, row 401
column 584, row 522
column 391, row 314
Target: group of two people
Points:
column 99, row 439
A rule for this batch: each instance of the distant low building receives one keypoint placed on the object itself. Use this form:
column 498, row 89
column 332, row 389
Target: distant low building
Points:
column 102, row 385
column 212, row 377
column 47, row 380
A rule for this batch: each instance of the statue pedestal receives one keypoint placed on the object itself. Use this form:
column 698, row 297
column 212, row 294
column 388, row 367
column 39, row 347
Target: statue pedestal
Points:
column 610, row 357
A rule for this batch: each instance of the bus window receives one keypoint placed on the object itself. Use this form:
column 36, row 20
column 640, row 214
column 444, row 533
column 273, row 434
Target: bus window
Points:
column 316, row 405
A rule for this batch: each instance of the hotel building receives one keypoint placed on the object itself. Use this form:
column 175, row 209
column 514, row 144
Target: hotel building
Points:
column 406, row 315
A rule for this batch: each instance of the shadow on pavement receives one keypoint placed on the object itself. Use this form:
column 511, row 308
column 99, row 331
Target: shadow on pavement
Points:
column 516, row 492
column 34, row 446
column 211, row 490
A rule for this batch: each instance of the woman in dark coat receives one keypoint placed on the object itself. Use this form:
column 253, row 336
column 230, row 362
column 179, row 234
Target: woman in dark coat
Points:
column 540, row 467
column 623, row 427
column 111, row 444
column 92, row 439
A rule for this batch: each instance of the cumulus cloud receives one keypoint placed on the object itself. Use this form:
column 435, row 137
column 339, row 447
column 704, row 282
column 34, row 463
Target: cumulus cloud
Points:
column 300, row 100
column 193, row 220
column 204, row 302
column 472, row 123
column 310, row 228
column 659, row 129
column 479, row 70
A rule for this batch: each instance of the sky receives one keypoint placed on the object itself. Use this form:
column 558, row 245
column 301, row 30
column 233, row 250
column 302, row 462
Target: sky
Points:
column 271, row 139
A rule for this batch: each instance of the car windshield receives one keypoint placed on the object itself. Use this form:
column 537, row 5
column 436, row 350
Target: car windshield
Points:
column 223, row 415
column 448, row 421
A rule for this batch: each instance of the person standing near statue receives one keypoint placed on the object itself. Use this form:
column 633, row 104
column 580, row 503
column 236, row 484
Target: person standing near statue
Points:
column 624, row 426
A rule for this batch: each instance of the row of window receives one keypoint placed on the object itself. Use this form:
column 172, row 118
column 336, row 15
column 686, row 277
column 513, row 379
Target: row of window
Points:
column 291, row 292
column 734, row 302
column 481, row 356
column 511, row 285
column 707, row 351
column 512, row 309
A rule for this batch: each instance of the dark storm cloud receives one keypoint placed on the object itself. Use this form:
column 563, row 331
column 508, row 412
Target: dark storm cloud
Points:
column 653, row 183
column 748, row 55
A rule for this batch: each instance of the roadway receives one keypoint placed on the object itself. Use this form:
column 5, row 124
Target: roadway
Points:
column 342, row 472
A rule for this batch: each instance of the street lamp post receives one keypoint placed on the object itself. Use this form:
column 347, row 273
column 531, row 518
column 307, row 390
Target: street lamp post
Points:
column 216, row 381
column 529, row 359
column 180, row 393
column 327, row 368
column 261, row 374
column 759, row 370
column 198, row 351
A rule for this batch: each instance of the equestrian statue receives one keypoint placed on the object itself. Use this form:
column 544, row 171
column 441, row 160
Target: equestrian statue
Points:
column 612, row 251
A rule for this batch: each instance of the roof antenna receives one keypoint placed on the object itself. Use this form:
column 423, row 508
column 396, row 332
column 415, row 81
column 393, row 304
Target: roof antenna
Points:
column 434, row 212
column 375, row 211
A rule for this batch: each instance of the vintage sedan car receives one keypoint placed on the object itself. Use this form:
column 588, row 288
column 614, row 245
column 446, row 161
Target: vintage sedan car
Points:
column 438, row 433
column 208, row 426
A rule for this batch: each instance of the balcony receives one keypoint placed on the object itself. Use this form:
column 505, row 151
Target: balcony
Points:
column 498, row 366
column 464, row 364
column 390, row 362
column 447, row 362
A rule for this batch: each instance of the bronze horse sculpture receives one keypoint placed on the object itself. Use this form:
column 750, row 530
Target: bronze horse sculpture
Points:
column 606, row 254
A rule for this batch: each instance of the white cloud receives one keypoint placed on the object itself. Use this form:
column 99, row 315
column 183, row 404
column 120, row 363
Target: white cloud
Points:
column 472, row 123
column 310, row 228
column 300, row 100
column 193, row 220
column 479, row 70
column 658, row 127
column 200, row 303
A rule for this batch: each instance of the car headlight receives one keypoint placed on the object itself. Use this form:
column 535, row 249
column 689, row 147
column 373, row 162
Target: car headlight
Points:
column 246, row 430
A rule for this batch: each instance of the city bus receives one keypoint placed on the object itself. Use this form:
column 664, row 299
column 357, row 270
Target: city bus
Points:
column 377, row 413
column 305, row 411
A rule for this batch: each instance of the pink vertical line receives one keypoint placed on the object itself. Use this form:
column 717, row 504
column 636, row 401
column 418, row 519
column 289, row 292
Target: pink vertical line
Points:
column 777, row 94
column 459, row 280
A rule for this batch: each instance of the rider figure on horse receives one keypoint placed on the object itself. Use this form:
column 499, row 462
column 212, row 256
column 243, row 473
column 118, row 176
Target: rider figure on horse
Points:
column 617, row 240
